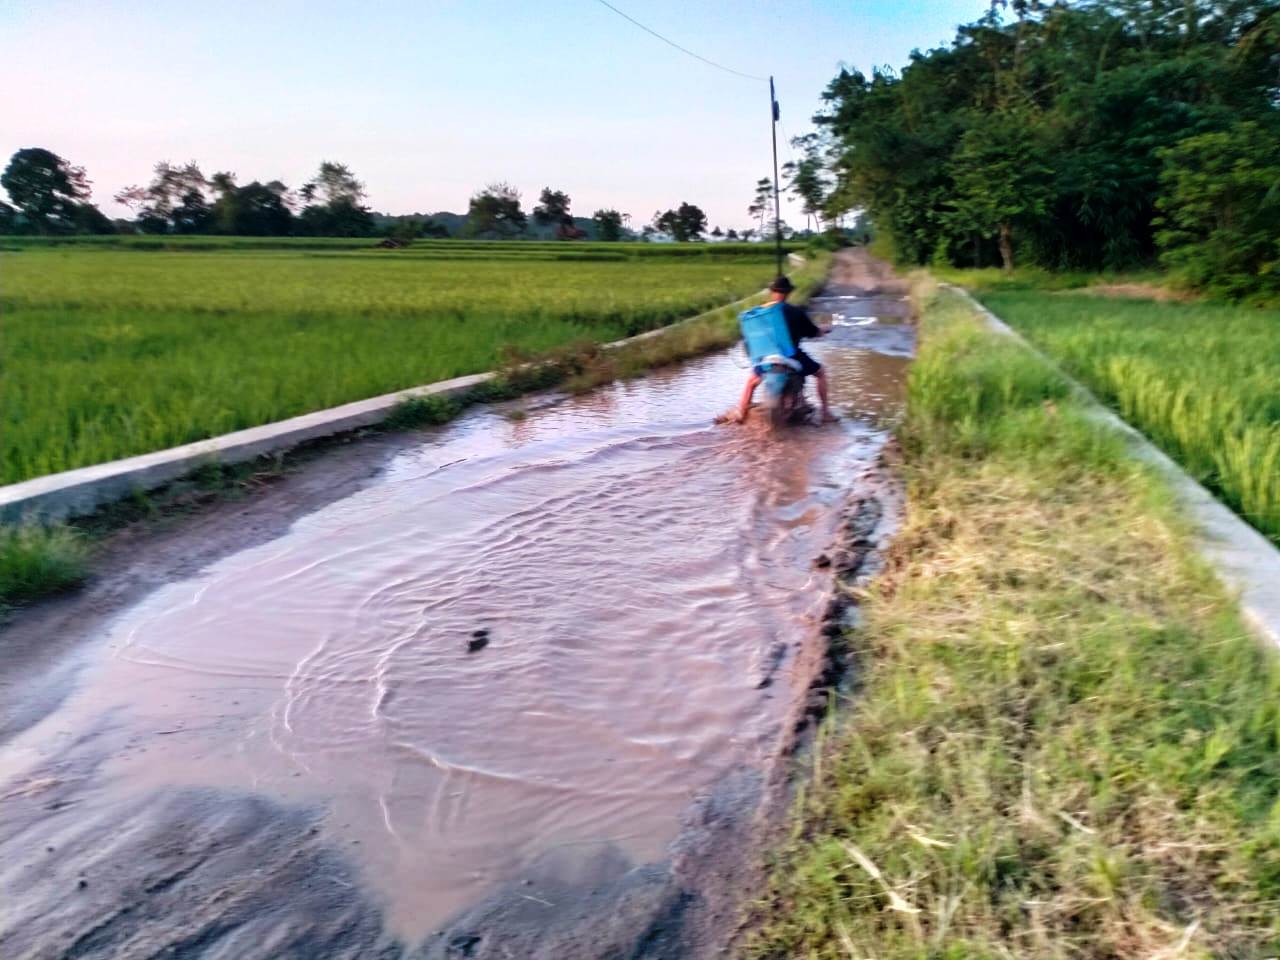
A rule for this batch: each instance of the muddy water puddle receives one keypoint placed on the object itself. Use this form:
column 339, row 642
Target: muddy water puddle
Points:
column 533, row 633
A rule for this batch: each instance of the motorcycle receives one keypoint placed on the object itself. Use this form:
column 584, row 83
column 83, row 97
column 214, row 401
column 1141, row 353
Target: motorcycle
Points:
column 771, row 353
column 782, row 392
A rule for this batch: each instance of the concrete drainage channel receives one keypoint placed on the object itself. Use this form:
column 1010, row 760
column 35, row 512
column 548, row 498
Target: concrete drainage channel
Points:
column 1245, row 560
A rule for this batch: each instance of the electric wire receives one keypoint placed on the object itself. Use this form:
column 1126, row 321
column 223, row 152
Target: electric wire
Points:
column 684, row 50
column 786, row 139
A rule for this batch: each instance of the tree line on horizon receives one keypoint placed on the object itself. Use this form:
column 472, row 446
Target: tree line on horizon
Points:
column 50, row 195
column 1098, row 135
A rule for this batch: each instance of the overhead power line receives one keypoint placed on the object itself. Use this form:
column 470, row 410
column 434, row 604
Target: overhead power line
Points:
column 684, row 50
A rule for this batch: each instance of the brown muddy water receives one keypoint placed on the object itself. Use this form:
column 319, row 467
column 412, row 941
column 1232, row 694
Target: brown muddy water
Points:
column 497, row 678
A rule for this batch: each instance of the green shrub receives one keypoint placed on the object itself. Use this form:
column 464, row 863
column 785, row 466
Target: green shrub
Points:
column 1220, row 202
column 38, row 560
column 421, row 412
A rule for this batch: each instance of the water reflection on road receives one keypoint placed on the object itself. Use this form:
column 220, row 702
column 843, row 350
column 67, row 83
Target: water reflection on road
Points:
column 632, row 575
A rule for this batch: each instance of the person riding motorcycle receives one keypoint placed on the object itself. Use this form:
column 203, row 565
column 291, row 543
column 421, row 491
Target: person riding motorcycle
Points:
column 801, row 327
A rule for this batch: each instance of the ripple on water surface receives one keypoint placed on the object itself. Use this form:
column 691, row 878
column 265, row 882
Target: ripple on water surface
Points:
column 633, row 570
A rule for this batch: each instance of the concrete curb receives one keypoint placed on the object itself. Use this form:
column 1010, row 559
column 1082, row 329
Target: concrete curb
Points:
column 1246, row 561
column 77, row 492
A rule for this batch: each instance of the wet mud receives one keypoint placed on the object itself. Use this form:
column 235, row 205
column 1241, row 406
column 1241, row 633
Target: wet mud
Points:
column 518, row 687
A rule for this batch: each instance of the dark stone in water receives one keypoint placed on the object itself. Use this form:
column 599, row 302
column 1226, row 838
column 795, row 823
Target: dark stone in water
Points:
column 479, row 640
column 463, row 944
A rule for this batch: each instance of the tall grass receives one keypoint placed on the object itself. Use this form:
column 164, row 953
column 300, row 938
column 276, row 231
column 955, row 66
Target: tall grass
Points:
column 113, row 352
column 1199, row 379
column 1040, row 278
column 1064, row 743
column 39, row 560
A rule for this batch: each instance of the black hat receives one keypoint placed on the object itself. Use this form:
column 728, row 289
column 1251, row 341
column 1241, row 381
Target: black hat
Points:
column 781, row 285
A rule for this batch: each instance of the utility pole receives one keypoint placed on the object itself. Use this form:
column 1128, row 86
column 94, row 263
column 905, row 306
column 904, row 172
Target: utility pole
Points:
column 777, row 201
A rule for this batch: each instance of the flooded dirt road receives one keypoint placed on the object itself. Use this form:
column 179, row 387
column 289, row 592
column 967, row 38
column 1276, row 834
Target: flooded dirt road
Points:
column 490, row 704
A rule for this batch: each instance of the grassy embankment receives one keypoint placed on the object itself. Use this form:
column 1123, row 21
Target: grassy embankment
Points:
column 1064, row 743
column 123, row 352
column 1149, row 284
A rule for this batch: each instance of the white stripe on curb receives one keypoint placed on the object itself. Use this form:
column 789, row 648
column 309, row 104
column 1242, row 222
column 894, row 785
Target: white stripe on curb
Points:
column 1246, row 561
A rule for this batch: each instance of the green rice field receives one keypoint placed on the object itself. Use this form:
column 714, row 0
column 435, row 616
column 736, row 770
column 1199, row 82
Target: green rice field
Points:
column 1202, row 380
column 127, row 345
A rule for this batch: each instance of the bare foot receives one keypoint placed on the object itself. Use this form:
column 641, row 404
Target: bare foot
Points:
column 829, row 417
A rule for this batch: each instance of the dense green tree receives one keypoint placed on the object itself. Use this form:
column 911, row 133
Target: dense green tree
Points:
column 805, row 177
column 223, row 213
column 405, row 230
column 552, row 208
column 193, row 214
column 762, row 203
column 1049, row 126
column 175, row 200
column 434, row 228
column 254, row 210
column 333, row 183
column 333, row 204
column 1221, row 210
column 222, row 181
column 686, row 222
column 609, row 224
column 343, row 217
column 89, row 219
column 261, row 210
column 8, row 218
column 48, row 190
column 495, row 212
column 999, row 180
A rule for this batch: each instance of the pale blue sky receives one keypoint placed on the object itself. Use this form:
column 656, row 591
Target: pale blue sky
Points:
column 429, row 100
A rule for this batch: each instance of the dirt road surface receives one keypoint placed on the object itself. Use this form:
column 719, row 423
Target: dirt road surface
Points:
column 523, row 686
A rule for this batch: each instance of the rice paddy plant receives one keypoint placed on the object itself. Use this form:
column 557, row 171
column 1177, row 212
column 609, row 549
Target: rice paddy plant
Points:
column 109, row 352
column 1199, row 379
column 369, row 246
column 583, row 365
